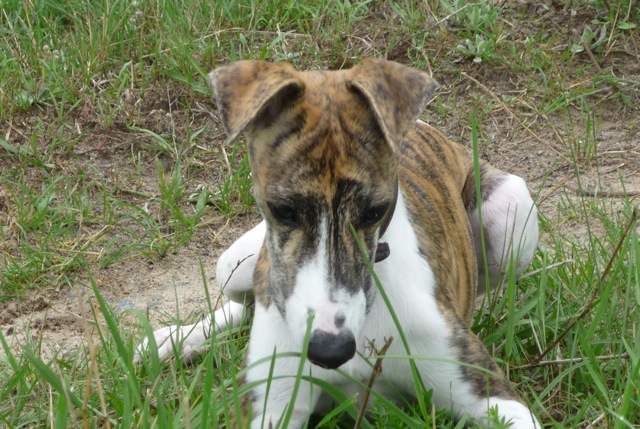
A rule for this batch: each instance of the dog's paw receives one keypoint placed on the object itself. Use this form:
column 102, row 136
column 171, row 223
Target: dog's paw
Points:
column 188, row 341
column 514, row 413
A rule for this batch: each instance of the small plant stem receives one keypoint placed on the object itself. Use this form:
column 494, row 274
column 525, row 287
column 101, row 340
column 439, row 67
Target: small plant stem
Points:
column 375, row 373
column 550, row 267
column 593, row 59
column 571, row 360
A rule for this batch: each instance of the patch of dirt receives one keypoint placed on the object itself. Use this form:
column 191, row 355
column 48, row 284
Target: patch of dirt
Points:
column 564, row 157
column 14, row 309
column 59, row 324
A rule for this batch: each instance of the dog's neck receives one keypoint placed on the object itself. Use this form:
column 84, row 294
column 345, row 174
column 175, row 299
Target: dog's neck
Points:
column 383, row 251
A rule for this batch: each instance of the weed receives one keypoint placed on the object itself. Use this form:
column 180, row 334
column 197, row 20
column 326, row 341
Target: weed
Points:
column 479, row 49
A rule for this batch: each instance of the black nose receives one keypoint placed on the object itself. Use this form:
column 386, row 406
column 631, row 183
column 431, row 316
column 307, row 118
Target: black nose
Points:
column 329, row 350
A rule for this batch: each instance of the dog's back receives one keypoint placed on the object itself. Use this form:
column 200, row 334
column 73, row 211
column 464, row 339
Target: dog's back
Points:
column 433, row 173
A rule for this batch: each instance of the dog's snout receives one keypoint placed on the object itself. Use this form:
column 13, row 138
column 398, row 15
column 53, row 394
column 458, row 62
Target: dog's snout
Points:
column 329, row 350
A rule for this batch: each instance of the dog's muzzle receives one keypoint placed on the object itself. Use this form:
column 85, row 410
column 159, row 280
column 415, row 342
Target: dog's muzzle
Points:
column 330, row 351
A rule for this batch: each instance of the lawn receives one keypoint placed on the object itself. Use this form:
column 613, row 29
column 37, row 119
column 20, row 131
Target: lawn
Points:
column 117, row 194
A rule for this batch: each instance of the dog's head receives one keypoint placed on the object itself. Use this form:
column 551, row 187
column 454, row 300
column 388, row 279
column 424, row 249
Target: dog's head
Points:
column 323, row 150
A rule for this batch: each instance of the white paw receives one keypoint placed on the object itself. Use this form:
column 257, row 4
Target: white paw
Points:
column 516, row 414
column 188, row 340
column 191, row 340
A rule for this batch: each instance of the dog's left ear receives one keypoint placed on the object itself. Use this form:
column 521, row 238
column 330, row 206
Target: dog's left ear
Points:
column 253, row 93
column 396, row 94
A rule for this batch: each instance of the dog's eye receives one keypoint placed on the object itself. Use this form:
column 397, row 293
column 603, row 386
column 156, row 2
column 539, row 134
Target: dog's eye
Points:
column 284, row 213
column 373, row 215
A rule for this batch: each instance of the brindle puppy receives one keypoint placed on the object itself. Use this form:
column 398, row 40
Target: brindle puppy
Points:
column 337, row 155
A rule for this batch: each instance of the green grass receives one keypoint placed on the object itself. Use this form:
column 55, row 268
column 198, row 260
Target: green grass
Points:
column 110, row 151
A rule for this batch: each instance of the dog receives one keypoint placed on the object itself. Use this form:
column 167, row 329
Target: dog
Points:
column 346, row 175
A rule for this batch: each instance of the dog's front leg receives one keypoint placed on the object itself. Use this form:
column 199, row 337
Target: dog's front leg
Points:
column 234, row 272
column 191, row 340
column 481, row 386
column 274, row 363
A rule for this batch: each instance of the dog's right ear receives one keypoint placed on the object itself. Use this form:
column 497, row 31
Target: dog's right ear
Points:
column 396, row 95
column 253, row 93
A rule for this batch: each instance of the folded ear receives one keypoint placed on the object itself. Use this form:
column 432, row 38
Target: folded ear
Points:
column 253, row 93
column 396, row 94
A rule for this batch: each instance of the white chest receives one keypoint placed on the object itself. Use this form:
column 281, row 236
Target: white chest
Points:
column 409, row 284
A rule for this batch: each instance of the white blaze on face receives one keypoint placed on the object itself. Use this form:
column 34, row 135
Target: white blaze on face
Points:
column 333, row 307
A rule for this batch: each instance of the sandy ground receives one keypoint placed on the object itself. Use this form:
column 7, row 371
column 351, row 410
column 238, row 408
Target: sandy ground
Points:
column 169, row 288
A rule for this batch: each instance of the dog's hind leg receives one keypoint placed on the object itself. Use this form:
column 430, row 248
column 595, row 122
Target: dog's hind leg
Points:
column 509, row 224
column 234, row 276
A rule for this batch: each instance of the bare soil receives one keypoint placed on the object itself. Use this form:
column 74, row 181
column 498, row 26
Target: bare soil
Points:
column 58, row 323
